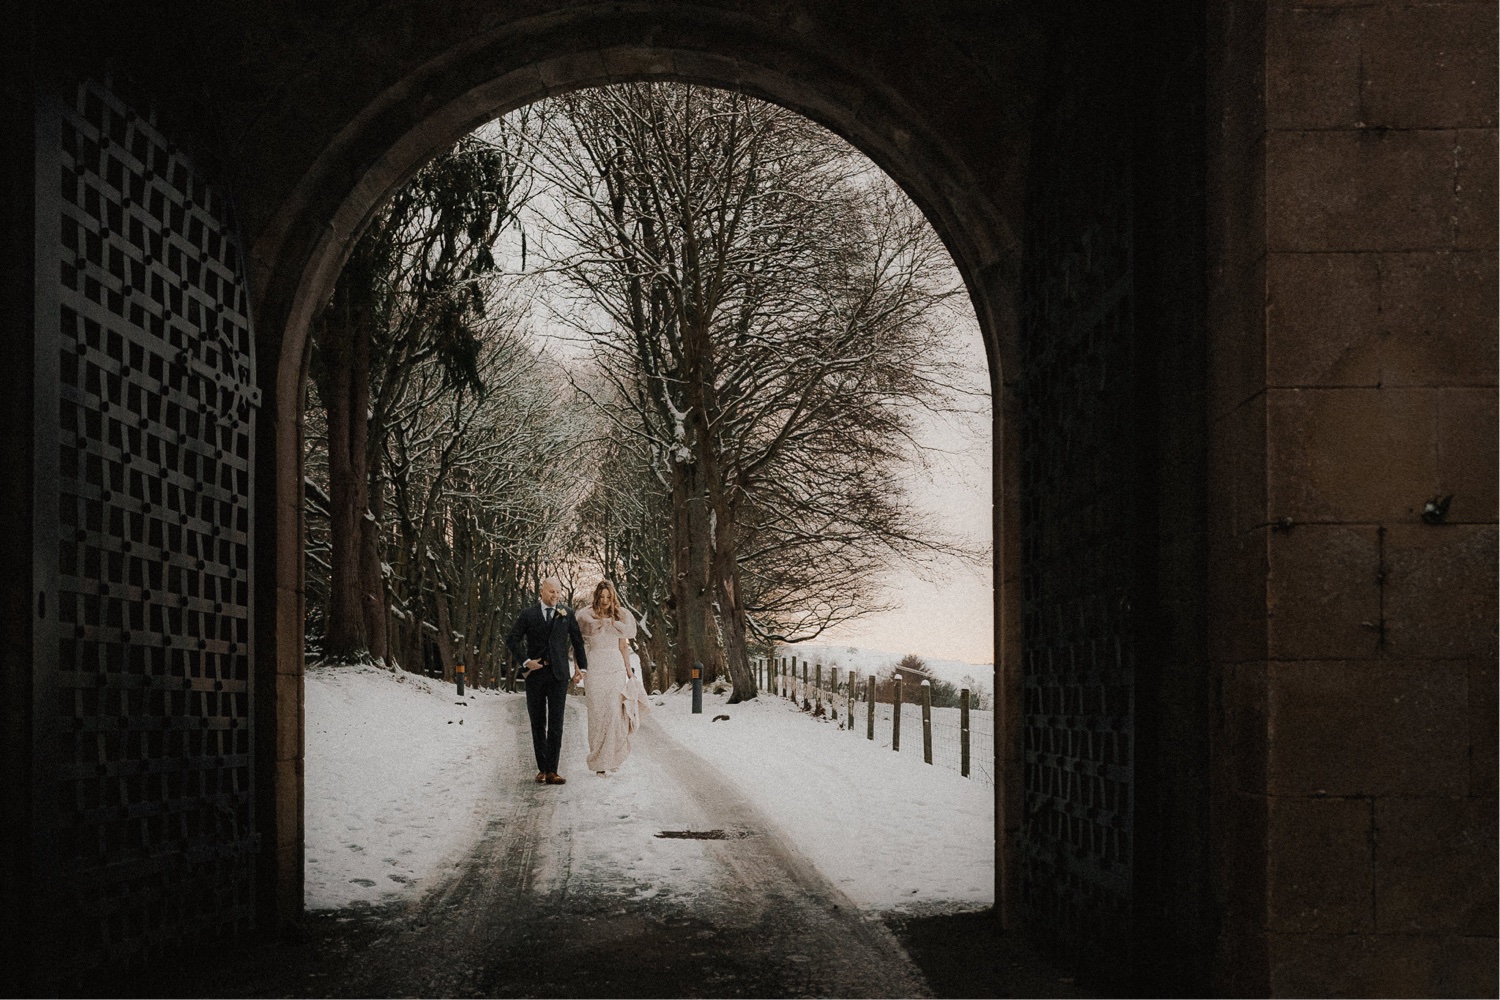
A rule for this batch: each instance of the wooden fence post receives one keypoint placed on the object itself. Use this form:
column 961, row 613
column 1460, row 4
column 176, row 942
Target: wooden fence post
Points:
column 849, row 716
column 870, row 707
column 963, row 732
column 833, row 691
column 927, row 721
column 896, row 723
column 818, row 684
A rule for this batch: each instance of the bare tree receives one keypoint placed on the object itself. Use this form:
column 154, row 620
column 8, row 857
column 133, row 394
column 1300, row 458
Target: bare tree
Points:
column 482, row 489
column 761, row 307
column 414, row 288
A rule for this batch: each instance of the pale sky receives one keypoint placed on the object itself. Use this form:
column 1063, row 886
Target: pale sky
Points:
column 951, row 617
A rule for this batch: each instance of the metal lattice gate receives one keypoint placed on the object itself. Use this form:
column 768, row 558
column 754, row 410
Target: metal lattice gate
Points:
column 1078, row 461
column 145, row 404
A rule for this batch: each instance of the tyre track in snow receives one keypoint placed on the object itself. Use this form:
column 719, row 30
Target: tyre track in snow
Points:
column 569, row 892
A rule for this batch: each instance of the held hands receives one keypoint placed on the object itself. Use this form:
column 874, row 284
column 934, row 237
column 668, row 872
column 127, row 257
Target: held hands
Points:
column 579, row 675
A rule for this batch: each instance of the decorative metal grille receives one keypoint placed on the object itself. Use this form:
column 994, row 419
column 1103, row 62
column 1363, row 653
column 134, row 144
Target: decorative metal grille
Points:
column 1078, row 452
column 145, row 413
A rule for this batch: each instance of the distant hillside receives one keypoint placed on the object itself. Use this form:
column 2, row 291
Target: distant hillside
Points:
column 975, row 676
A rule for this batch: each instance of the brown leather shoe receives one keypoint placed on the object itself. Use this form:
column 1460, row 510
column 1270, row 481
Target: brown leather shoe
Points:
column 541, row 777
column 556, row 779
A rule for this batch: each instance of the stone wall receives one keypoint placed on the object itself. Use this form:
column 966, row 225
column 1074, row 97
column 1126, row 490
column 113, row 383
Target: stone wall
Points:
column 1353, row 372
column 1350, row 686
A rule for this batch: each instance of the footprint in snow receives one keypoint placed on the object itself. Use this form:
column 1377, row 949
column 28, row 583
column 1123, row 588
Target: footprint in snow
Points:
column 367, row 883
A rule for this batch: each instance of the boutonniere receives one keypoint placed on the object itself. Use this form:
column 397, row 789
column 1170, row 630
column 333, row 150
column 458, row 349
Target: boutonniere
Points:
column 560, row 612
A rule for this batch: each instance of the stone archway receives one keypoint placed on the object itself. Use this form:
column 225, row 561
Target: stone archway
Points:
column 1311, row 247
column 296, row 254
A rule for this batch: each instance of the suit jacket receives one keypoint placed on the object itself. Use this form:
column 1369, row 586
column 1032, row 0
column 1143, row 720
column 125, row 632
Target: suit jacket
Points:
column 532, row 638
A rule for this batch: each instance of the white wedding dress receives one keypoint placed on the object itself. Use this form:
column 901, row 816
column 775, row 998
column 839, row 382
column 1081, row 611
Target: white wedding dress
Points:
column 616, row 703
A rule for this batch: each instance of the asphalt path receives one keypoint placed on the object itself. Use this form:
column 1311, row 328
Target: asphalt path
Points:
column 571, row 892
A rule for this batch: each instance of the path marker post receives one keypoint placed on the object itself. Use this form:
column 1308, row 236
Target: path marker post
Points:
column 896, row 723
column 927, row 721
column 963, row 732
column 870, row 707
column 458, row 670
column 697, row 688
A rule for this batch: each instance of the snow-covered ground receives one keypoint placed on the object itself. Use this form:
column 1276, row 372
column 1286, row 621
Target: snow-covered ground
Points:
column 890, row 831
column 978, row 677
column 400, row 781
column 396, row 779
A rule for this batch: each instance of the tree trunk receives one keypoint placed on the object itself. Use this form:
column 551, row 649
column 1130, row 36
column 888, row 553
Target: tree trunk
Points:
column 692, row 574
column 375, row 602
column 732, row 622
column 660, row 644
column 444, row 633
column 648, row 665
column 345, row 396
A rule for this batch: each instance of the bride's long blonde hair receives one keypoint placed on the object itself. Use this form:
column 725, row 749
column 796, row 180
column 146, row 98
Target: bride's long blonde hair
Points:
column 597, row 605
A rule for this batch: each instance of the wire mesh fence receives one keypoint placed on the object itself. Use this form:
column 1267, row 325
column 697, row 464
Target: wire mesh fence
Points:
column 936, row 734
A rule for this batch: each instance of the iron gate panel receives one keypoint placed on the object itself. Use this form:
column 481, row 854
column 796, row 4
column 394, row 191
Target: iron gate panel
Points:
column 145, row 407
column 1076, row 388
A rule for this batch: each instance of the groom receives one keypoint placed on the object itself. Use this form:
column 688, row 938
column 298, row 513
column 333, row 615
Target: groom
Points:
column 540, row 639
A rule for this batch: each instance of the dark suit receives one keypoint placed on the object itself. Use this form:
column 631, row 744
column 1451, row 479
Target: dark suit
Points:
column 534, row 638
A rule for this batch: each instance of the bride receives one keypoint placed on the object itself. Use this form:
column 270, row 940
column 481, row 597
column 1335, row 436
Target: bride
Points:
column 616, row 697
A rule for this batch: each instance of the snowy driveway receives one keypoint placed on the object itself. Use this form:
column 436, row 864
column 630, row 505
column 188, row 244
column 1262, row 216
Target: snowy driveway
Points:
column 570, row 892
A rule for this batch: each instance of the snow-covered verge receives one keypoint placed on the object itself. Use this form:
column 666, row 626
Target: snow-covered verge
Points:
column 399, row 790
column 890, row 831
column 978, row 677
column 398, row 779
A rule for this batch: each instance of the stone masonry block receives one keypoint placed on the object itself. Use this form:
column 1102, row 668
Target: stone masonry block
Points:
column 1319, row 871
column 1484, row 723
column 1323, row 319
column 1428, row 66
column 1440, row 595
column 1323, row 596
column 1356, row 965
column 1365, row 190
column 1239, row 822
column 1368, row 728
column 1467, row 466
column 289, row 803
column 290, row 716
column 1238, row 470
column 1367, row 319
column 1467, row 967
column 1474, row 190
column 1237, row 598
column 1237, row 347
column 1313, row 67
column 1438, row 318
column 1351, row 454
column 1435, row 865
column 1240, row 746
